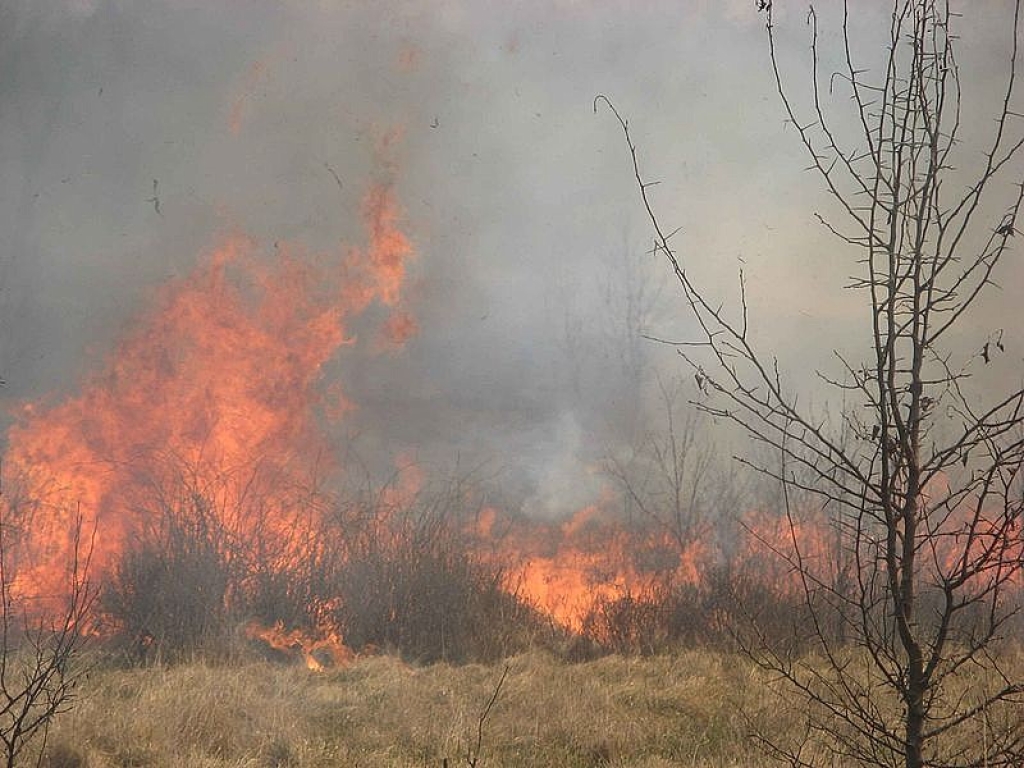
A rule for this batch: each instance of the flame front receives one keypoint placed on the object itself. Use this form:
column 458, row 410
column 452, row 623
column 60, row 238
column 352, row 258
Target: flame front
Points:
column 222, row 381
column 566, row 568
column 219, row 393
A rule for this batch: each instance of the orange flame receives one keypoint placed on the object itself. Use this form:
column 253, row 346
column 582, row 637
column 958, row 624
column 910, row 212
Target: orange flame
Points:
column 222, row 377
column 239, row 106
column 565, row 569
column 316, row 652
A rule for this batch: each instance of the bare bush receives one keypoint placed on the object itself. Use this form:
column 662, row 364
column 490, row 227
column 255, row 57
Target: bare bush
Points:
column 169, row 594
column 42, row 638
column 384, row 571
column 411, row 583
column 629, row 625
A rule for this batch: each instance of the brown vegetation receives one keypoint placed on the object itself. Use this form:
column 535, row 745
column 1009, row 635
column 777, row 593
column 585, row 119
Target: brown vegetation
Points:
column 667, row 710
column 693, row 708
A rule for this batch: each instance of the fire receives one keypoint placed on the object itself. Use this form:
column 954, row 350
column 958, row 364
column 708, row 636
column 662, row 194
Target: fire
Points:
column 256, row 74
column 565, row 569
column 213, row 404
column 316, row 651
column 220, row 384
column 773, row 540
column 399, row 328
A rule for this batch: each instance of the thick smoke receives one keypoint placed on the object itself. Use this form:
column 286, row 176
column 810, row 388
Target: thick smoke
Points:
column 133, row 136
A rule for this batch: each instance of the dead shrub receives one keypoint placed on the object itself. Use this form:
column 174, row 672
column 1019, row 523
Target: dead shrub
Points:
column 386, row 571
column 169, row 594
column 409, row 583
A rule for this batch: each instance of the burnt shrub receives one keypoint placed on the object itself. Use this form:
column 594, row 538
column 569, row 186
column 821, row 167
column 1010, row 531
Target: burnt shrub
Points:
column 633, row 624
column 214, row 550
column 428, row 606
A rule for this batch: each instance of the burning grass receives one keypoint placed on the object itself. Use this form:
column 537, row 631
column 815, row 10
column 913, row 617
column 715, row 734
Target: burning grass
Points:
column 201, row 458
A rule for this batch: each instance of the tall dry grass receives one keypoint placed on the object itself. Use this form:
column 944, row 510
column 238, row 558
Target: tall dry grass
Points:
column 694, row 708
column 673, row 710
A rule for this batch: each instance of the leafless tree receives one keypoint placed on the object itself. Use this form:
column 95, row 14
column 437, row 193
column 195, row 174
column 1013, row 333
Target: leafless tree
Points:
column 41, row 641
column 926, row 488
column 611, row 356
column 667, row 477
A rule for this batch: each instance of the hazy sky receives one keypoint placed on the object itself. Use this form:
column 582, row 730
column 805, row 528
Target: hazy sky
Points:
column 517, row 197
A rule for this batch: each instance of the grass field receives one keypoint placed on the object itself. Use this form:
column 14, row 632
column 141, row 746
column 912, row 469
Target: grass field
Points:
column 687, row 709
column 694, row 708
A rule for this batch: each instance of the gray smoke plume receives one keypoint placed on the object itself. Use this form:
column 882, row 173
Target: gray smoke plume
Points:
column 134, row 135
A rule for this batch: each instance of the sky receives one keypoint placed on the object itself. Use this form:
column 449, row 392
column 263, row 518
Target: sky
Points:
column 532, row 277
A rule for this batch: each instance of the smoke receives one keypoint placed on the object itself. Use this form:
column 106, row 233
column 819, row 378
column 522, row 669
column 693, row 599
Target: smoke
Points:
column 134, row 137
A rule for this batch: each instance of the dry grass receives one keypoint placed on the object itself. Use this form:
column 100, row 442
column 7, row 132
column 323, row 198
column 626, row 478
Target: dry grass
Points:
column 679, row 710
column 692, row 708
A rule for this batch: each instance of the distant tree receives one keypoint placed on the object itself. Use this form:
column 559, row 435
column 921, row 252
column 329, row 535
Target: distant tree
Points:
column 670, row 476
column 922, row 470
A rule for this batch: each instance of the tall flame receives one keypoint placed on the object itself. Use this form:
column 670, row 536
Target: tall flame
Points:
column 224, row 375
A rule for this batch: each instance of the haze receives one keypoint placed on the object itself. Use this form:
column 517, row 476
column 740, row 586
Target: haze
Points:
column 135, row 137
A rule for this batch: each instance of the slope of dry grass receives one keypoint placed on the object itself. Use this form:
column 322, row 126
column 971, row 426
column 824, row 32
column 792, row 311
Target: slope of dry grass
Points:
column 679, row 710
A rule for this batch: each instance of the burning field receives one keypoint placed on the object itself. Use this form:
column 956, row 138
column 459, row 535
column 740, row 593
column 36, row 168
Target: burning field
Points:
column 335, row 431
column 206, row 435
column 202, row 484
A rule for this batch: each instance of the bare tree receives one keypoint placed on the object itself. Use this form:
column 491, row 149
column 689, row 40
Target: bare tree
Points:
column 921, row 472
column 41, row 640
column 610, row 358
column 666, row 475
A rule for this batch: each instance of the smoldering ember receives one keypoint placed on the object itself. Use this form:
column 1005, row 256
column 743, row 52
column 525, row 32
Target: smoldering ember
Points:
column 559, row 383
